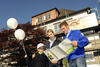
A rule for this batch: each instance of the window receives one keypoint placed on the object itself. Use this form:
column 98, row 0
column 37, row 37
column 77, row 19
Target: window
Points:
column 56, row 27
column 39, row 19
column 47, row 16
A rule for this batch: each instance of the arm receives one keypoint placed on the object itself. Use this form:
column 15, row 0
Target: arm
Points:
column 81, row 40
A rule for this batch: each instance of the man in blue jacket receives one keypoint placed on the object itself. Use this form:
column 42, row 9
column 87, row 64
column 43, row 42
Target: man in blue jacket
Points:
column 77, row 57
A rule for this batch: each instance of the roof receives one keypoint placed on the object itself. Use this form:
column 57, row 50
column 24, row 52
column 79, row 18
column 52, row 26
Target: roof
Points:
column 46, row 11
column 65, row 11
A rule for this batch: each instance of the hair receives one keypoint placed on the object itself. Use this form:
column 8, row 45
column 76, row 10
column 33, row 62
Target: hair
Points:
column 63, row 23
column 50, row 30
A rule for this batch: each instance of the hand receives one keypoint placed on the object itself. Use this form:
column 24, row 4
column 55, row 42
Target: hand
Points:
column 54, row 61
column 33, row 55
column 74, row 43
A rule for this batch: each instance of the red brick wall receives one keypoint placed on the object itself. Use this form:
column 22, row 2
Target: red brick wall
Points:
column 53, row 15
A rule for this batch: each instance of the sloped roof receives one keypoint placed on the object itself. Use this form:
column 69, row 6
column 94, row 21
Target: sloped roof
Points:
column 61, row 12
column 65, row 12
column 46, row 11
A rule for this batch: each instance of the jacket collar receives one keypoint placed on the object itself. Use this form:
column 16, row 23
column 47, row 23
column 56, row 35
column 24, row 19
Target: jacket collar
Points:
column 53, row 41
column 68, row 33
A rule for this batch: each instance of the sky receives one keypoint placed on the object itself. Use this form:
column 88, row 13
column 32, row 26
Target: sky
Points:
column 23, row 10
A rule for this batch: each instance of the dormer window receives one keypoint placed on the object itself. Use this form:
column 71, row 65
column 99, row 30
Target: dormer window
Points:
column 47, row 16
column 39, row 19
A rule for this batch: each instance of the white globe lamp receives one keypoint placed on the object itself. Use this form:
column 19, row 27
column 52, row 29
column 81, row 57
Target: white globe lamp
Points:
column 12, row 23
column 19, row 34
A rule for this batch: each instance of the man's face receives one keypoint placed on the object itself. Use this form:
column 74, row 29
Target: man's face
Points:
column 65, row 29
column 50, row 34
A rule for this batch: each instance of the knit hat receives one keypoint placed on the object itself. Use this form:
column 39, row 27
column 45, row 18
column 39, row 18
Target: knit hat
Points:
column 40, row 45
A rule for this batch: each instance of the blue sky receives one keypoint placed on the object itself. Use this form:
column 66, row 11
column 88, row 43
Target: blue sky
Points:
column 23, row 10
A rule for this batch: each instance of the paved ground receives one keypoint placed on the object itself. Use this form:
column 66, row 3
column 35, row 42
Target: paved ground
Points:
column 94, row 65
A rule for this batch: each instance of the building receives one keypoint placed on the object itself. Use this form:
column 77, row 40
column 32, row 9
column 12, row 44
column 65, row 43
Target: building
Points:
column 54, row 21
column 52, row 18
column 49, row 15
column 49, row 19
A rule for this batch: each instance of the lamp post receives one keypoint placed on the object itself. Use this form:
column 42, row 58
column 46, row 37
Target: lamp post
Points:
column 97, row 13
column 20, row 35
column 99, row 6
column 12, row 23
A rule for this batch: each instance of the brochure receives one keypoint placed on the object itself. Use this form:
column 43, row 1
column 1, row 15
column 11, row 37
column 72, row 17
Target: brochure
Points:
column 60, row 51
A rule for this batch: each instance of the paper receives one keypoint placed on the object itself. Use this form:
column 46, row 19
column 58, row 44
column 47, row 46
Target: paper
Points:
column 60, row 51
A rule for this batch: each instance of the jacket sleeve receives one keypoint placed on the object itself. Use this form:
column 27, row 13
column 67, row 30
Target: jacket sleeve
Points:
column 82, row 41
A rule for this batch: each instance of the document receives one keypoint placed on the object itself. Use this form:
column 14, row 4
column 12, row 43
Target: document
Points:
column 60, row 51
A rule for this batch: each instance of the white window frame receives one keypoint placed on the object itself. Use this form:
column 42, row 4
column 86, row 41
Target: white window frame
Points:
column 47, row 16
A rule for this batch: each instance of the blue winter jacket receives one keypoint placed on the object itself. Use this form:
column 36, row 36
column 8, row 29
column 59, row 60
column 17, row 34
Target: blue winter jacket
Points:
column 76, row 35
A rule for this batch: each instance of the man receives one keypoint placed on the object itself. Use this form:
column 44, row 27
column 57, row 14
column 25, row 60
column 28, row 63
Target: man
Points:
column 77, row 57
column 53, row 41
